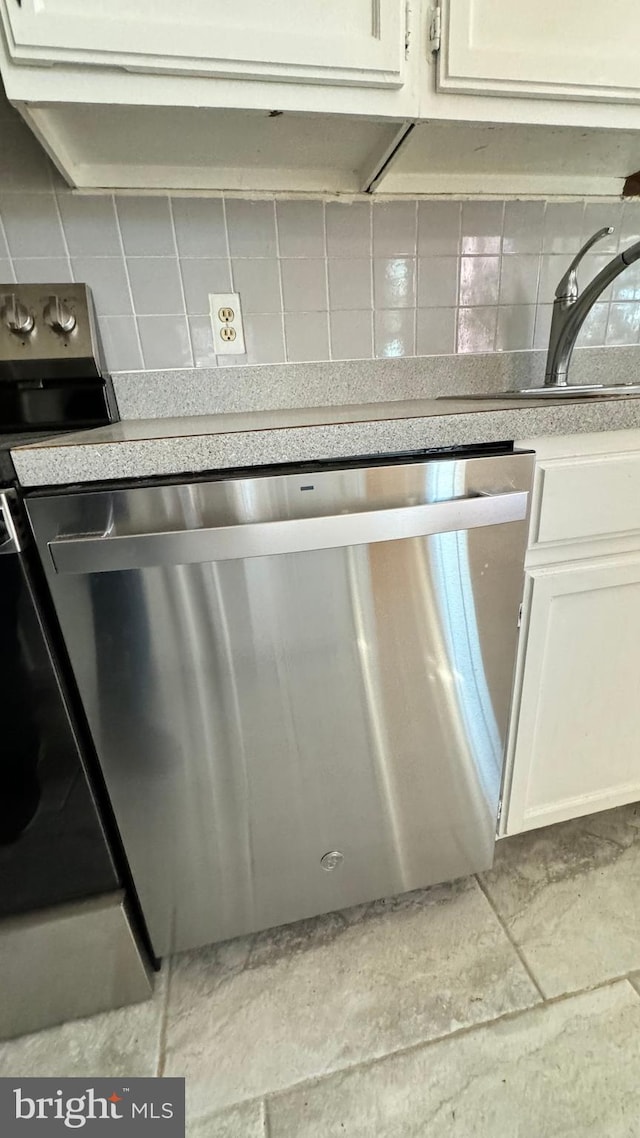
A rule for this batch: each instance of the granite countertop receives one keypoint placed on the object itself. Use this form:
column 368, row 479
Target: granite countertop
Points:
column 142, row 448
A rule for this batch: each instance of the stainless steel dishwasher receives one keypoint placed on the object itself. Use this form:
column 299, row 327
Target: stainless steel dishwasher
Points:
column 298, row 684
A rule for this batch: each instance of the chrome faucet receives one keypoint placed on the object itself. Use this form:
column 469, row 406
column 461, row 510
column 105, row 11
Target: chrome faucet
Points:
column 571, row 308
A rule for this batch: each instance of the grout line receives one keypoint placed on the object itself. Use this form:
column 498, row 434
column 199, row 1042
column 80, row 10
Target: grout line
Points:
column 56, row 206
column 179, row 267
column 285, row 346
column 371, row 287
column 456, row 346
column 505, row 1017
column 326, row 279
column 415, row 279
column 468, row 1029
column 3, row 234
column 516, row 947
column 161, row 1061
column 128, row 279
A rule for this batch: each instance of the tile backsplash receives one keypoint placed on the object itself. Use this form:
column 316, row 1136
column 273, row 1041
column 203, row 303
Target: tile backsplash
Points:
column 317, row 280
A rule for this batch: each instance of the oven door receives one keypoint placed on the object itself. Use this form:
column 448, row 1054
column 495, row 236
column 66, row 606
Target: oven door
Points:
column 52, row 845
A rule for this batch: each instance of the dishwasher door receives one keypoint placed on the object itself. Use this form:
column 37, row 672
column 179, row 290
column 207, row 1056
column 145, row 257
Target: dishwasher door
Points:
column 298, row 685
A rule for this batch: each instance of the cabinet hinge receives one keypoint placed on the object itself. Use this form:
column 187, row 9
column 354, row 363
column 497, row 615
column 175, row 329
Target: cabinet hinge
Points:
column 407, row 28
column 435, row 28
column 520, row 616
column 499, row 815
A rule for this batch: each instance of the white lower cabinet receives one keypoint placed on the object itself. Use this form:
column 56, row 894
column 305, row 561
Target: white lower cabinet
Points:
column 576, row 737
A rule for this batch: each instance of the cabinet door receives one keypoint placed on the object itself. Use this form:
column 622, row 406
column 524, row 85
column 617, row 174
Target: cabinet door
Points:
column 328, row 41
column 575, row 49
column 577, row 731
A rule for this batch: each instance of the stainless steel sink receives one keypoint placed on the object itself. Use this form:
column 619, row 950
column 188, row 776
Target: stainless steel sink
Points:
column 572, row 392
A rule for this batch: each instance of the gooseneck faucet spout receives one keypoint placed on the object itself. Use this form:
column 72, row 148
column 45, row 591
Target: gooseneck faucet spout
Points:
column 571, row 308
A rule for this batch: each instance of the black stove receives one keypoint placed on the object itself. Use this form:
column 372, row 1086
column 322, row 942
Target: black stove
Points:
column 53, row 823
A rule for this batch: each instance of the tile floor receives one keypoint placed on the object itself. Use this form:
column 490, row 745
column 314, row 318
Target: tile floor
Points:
column 493, row 1007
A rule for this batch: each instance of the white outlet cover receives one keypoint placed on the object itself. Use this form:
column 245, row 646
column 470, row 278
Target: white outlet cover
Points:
column 218, row 302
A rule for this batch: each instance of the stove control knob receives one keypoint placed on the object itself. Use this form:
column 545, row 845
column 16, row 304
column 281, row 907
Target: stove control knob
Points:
column 16, row 316
column 59, row 318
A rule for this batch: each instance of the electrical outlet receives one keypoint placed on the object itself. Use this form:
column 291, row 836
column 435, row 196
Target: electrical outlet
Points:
column 226, row 322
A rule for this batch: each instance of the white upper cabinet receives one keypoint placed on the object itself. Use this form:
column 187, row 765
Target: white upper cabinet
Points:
column 319, row 41
column 574, row 49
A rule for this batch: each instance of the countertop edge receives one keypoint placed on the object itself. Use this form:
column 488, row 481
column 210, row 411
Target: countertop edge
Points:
column 87, row 462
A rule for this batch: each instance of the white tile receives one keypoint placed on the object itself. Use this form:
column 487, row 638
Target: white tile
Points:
column 89, row 223
column 120, row 341
column 523, row 224
column 165, row 341
column 394, row 282
column 155, row 285
column 563, row 227
column 350, row 282
column 623, row 326
column 435, row 331
column 439, row 229
column 204, row 352
column 479, row 280
column 552, row 268
column 119, row 1043
column 258, row 1014
column 590, row 266
column 258, row 282
column 630, row 225
column 596, row 216
column 519, row 279
column 437, row 282
column 6, row 271
column 200, row 278
column 481, row 227
column 32, row 225
column 394, row 229
column 307, row 336
column 107, row 279
column 351, row 335
column 348, row 229
column 252, row 228
column 477, row 329
column 145, row 223
column 304, row 284
column 543, row 325
column 515, row 327
column 568, row 1070
column 569, row 896
column 627, row 285
column 394, row 332
column 300, row 228
column 42, row 270
column 199, row 224
column 264, row 338
column 4, row 251
column 594, row 330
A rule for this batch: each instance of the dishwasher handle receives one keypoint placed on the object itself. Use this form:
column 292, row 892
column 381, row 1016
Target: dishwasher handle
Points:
column 108, row 553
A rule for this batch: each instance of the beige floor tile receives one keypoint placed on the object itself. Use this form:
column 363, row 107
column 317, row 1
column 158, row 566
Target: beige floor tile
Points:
column 570, row 896
column 246, row 1121
column 120, row 1043
column 259, row 1014
column 564, row 1070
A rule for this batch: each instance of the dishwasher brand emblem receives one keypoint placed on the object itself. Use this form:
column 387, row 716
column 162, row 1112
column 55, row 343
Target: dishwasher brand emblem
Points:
column 331, row 860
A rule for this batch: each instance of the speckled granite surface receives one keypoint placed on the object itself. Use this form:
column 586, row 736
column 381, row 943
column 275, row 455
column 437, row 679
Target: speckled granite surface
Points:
column 213, row 391
column 147, row 448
